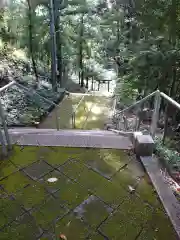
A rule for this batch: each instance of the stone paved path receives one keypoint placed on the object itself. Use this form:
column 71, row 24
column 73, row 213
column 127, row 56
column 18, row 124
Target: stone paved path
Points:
column 79, row 193
column 91, row 113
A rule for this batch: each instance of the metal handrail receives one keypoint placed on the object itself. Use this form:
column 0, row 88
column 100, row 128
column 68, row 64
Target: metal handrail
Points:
column 3, row 118
column 136, row 103
column 73, row 116
column 169, row 99
column 157, row 102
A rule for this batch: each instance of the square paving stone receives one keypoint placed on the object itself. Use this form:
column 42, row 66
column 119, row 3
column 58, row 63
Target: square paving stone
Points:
column 92, row 211
column 89, row 179
column 37, row 170
column 10, row 210
column 3, row 220
column 6, row 168
column 106, row 161
column 31, row 195
column 72, row 228
column 14, row 182
column 112, row 193
column 161, row 224
column 24, row 156
column 60, row 155
column 126, row 178
column 3, row 194
column 49, row 211
column 147, row 192
column 47, row 236
column 96, row 236
column 54, row 181
column 128, row 220
column 149, row 233
column 23, row 228
column 72, row 169
column 71, row 195
column 136, row 167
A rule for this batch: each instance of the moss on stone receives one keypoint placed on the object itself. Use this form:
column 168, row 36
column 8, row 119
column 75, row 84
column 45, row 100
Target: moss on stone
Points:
column 23, row 228
column 72, row 169
column 111, row 193
column 127, row 222
column 96, row 236
column 6, row 168
column 161, row 225
column 125, row 178
column 89, row 179
column 93, row 211
column 31, row 196
column 72, row 228
column 22, row 157
column 80, row 173
column 48, row 212
column 72, row 195
column 59, row 155
column 10, row 209
column 147, row 192
column 59, row 181
column 15, row 182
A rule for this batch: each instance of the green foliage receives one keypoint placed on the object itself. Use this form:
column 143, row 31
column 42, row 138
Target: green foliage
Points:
column 171, row 156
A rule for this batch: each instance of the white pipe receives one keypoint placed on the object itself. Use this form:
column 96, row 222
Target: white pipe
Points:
column 172, row 101
column 7, row 86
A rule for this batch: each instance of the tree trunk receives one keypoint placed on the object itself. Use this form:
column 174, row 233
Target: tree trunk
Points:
column 58, row 42
column 31, row 41
column 172, row 37
column 87, row 82
column 81, row 73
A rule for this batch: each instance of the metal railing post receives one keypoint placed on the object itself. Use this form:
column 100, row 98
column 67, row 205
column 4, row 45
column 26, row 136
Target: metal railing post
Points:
column 155, row 117
column 2, row 116
column 57, row 118
column 4, row 149
column 74, row 116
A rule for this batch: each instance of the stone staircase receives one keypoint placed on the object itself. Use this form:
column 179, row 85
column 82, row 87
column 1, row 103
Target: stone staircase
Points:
column 70, row 138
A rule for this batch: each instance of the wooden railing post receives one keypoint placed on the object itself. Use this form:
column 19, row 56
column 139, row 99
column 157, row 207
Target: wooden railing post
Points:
column 155, row 117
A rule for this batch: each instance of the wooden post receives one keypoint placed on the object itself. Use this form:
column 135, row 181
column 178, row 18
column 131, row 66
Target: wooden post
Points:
column 155, row 117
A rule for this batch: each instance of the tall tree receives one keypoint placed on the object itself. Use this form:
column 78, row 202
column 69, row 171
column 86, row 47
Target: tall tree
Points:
column 31, row 39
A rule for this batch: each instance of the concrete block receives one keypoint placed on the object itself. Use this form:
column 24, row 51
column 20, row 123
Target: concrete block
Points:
column 134, row 136
column 144, row 145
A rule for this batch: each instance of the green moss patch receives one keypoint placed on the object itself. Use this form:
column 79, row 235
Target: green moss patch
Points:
column 75, row 180
column 147, row 192
column 92, row 211
column 59, row 156
column 14, row 182
column 6, row 168
column 72, row 228
column 89, row 179
column 127, row 222
column 111, row 193
column 48, row 212
column 96, row 236
column 72, row 169
column 71, row 195
column 23, row 228
column 24, row 156
column 31, row 196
